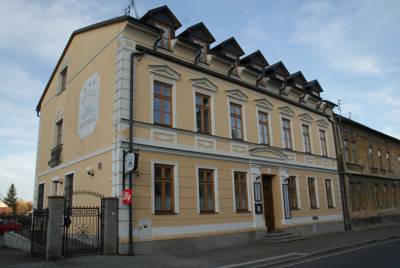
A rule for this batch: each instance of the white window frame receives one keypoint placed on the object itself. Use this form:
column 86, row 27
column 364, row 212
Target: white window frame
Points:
column 302, row 124
column 326, row 141
column 216, row 187
column 170, row 81
column 291, row 131
column 176, row 183
column 249, row 190
column 212, row 108
column 268, row 112
column 244, row 125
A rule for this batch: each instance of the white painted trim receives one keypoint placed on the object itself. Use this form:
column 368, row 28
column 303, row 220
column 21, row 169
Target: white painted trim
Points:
column 72, row 172
column 211, row 94
column 302, row 124
column 282, row 116
column 248, row 186
column 203, row 228
column 176, row 183
column 244, row 125
column 322, row 218
column 172, row 82
column 77, row 160
column 216, row 187
column 54, row 181
column 268, row 112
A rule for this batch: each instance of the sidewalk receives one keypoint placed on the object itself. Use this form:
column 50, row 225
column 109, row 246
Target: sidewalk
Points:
column 227, row 256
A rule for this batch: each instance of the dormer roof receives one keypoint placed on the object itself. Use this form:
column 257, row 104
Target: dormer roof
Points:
column 198, row 31
column 277, row 71
column 297, row 79
column 163, row 15
column 255, row 61
column 229, row 48
column 313, row 87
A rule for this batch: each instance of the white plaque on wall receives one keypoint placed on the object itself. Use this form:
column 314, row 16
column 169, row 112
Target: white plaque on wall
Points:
column 89, row 106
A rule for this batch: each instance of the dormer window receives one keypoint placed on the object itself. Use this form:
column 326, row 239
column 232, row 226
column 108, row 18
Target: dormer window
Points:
column 165, row 41
column 299, row 86
column 280, row 77
column 204, row 49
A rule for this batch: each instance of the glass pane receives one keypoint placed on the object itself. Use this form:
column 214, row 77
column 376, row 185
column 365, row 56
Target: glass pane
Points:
column 201, row 197
column 166, row 91
column 166, row 106
column 198, row 99
column 157, row 172
column 168, row 173
column 157, row 194
column 167, row 119
column 168, row 195
column 157, row 117
column 205, row 101
column 157, row 105
column 156, row 88
column 210, row 198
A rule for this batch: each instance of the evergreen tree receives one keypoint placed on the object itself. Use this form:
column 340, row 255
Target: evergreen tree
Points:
column 11, row 198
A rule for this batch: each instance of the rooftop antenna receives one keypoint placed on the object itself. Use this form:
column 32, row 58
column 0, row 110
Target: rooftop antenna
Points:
column 129, row 8
column 349, row 115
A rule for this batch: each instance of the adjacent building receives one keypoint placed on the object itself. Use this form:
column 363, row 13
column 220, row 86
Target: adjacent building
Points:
column 229, row 144
column 370, row 165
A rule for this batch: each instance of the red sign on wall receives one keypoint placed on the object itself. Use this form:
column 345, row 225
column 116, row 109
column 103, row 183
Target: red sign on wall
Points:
column 127, row 196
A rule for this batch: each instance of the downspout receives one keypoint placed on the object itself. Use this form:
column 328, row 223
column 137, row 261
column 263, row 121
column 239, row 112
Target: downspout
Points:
column 131, row 99
column 342, row 181
column 156, row 42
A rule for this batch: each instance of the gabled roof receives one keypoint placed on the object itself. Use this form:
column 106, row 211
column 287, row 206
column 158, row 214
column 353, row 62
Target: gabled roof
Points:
column 297, row 78
column 3, row 205
column 277, row 70
column 86, row 29
column 231, row 46
column 255, row 60
column 162, row 14
column 199, row 31
column 314, row 86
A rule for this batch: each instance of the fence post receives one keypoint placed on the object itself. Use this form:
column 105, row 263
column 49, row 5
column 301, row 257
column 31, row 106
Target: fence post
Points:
column 54, row 236
column 109, row 211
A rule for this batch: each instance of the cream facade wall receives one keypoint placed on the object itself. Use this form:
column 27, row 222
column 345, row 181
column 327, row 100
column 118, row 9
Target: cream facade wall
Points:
column 89, row 53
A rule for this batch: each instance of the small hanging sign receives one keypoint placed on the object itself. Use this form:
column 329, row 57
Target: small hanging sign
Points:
column 127, row 196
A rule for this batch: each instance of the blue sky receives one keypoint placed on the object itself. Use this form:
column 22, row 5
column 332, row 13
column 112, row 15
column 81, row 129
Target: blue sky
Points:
column 351, row 47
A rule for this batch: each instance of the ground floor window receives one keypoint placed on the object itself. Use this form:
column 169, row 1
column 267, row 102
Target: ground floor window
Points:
column 241, row 191
column 312, row 193
column 40, row 196
column 206, row 190
column 292, row 187
column 329, row 195
column 163, row 188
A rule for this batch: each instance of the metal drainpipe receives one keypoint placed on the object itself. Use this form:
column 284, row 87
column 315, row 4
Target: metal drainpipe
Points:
column 131, row 91
column 341, row 164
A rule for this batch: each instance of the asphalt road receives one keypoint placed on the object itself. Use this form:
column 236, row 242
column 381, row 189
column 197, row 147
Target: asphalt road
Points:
column 382, row 255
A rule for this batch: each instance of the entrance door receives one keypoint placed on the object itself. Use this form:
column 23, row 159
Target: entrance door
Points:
column 268, row 203
column 68, row 190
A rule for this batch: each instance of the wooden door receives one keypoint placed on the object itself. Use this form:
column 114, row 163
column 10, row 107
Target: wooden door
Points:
column 268, row 203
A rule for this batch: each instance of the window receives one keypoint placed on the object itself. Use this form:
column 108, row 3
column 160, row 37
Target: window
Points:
column 162, row 107
column 359, row 195
column 385, row 196
column 206, row 190
column 63, row 79
column 241, row 200
column 263, row 127
column 165, row 41
column 329, row 195
column 312, row 193
column 40, row 195
column 203, row 120
column 204, row 49
column 306, row 138
column 287, row 135
column 380, row 159
column 322, row 139
column 292, row 193
column 376, row 195
column 54, row 187
column 59, row 129
column 163, row 188
column 354, row 152
column 346, row 151
column 394, row 197
column 236, row 121
column 389, row 161
column 370, row 156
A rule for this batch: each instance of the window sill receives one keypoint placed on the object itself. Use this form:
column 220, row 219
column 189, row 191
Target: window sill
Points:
column 162, row 125
column 294, row 209
column 208, row 212
column 243, row 211
column 165, row 213
column 314, row 208
column 331, row 207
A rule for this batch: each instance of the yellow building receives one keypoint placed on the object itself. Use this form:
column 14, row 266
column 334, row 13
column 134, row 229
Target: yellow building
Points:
column 229, row 144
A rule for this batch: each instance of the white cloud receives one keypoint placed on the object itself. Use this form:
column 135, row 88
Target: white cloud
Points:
column 330, row 36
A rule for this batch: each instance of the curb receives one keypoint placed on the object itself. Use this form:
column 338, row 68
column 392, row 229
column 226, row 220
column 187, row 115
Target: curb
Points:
column 331, row 250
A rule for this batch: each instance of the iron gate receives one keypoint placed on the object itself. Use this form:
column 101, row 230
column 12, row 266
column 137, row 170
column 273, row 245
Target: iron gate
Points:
column 38, row 232
column 82, row 230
